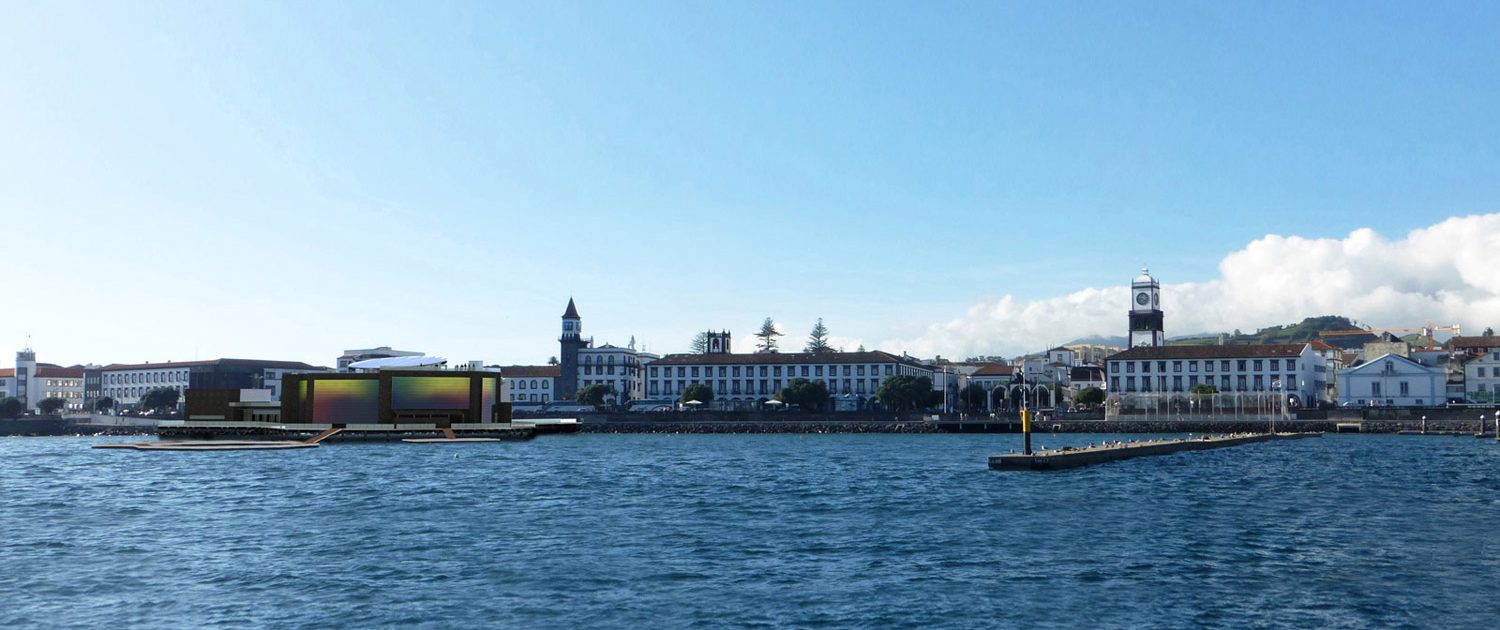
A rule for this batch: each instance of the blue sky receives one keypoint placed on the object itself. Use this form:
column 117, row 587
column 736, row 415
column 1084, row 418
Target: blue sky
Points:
column 288, row 180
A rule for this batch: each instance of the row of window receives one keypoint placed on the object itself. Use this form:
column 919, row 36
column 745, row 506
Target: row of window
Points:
column 62, row 383
column 175, row 376
column 606, row 369
column 534, row 383
column 63, row 394
column 588, row 359
column 763, row 387
column 1224, row 383
column 1402, row 386
column 529, row 398
column 1224, row 365
column 807, row 371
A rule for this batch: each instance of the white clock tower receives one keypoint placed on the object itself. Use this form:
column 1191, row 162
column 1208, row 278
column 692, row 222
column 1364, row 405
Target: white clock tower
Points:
column 1145, row 312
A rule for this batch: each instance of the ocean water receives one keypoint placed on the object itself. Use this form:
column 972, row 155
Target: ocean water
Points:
column 680, row 531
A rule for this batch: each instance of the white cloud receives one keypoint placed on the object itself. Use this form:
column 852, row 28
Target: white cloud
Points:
column 1448, row 272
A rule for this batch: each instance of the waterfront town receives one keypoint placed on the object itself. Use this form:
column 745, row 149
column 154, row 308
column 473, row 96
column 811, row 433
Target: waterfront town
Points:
column 1149, row 374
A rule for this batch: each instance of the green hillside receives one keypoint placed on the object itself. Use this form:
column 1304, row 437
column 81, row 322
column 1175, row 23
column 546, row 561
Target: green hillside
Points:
column 1304, row 331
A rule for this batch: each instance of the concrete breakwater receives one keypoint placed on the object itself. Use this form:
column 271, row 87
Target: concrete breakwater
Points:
column 1069, row 457
column 779, row 426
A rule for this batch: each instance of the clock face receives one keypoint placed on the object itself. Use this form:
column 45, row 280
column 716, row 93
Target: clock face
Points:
column 1142, row 299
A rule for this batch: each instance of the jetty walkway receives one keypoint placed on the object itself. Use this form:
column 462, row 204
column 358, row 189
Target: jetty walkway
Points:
column 1073, row 457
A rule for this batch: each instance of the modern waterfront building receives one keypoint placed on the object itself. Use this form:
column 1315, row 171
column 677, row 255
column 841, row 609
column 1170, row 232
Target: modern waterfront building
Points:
column 1392, row 380
column 386, row 404
column 126, row 383
column 852, row 377
column 441, row 398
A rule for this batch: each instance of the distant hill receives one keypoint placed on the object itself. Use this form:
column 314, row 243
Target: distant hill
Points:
column 1100, row 340
column 1301, row 332
column 1304, row 331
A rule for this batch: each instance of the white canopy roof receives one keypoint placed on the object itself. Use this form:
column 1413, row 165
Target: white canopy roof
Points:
column 397, row 362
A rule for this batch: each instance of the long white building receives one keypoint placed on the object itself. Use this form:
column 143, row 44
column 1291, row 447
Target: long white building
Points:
column 1293, row 369
column 126, row 383
column 853, row 376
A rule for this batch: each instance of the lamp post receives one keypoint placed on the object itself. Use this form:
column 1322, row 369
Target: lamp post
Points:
column 1424, row 424
column 1271, row 410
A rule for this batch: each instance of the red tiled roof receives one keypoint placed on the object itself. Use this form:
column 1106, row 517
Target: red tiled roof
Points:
column 1475, row 342
column 530, row 371
column 7, row 371
column 778, row 358
column 59, row 372
column 1086, row 373
column 1319, row 344
column 995, row 370
column 290, row 365
column 1210, row 352
column 572, row 312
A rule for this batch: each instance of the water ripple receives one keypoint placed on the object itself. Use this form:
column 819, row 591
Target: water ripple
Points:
column 687, row 531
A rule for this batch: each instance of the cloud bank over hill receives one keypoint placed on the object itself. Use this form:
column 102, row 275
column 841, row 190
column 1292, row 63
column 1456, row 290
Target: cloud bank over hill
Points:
column 1448, row 272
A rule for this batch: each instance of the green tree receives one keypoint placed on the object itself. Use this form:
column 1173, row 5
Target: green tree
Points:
column 973, row 396
column 905, row 393
column 551, row 360
column 11, row 407
column 1489, row 332
column 699, row 392
column 699, row 344
column 595, row 394
column 1089, row 396
column 817, row 341
column 767, row 336
column 104, row 404
column 161, row 399
column 51, row 405
column 810, row 395
column 1204, row 388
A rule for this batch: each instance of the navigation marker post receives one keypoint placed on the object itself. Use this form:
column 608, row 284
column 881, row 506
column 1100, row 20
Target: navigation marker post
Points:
column 1026, row 429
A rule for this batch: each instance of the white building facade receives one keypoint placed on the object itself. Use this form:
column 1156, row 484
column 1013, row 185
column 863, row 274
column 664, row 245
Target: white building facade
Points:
column 619, row 368
column 127, row 383
column 32, row 382
column 1392, row 380
column 1292, row 369
column 1482, row 377
column 854, row 376
column 528, row 384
